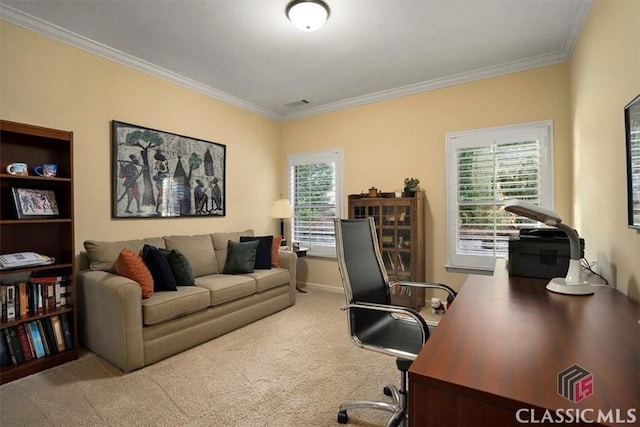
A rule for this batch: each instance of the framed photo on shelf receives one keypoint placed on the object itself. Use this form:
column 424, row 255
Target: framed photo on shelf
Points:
column 157, row 174
column 32, row 203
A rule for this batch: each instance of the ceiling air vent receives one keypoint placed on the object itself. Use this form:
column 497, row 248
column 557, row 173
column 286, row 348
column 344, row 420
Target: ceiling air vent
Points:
column 297, row 103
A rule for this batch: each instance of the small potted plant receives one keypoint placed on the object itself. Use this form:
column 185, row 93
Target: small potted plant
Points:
column 411, row 186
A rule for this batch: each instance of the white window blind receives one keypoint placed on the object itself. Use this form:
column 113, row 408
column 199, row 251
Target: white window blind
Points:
column 315, row 191
column 485, row 168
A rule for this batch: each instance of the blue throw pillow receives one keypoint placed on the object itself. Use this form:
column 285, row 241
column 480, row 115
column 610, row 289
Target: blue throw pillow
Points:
column 241, row 257
column 160, row 269
column 263, row 254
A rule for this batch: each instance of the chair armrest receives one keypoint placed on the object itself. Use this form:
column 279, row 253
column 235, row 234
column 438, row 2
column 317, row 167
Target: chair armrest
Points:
column 431, row 285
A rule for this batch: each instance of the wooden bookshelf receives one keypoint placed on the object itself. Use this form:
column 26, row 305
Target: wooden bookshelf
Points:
column 52, row 236
column 400, row 227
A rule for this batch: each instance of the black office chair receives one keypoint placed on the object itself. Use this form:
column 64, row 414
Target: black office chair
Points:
column 374, row 323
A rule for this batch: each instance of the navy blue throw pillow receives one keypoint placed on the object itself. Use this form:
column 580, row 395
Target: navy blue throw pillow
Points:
column 263, row 255
column 160, row 269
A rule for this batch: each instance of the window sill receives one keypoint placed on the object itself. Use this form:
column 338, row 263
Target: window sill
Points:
column 469, row 270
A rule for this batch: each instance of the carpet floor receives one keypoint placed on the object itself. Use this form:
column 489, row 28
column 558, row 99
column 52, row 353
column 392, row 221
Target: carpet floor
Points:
column 293, row 368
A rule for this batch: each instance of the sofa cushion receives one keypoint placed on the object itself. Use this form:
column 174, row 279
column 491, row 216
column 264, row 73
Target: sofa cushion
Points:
column 160, row 269
column 102, row 255
column 275, row 251
column 269, row 279
column 220, row 244
column 241, row 257
column 198, row 250
column 130, row 265
column 263, row 254
column 224, row 288
column 164, row 306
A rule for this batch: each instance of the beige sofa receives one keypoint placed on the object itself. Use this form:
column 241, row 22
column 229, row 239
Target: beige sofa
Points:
column 116, row 323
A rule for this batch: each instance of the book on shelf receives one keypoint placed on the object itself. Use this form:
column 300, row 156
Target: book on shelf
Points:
column 49, row 335
column 38, row 346
column 66, row 331
column 22, row 295
column 58, row 294
column 43, row 336
column 25, row 344
column 11, row 302
column 391, row 263
column 24, row 259
column 57, row 332
column 56, row 289
column 5, row 357
column 3, row 302
column 49, row 297
column 13, row 344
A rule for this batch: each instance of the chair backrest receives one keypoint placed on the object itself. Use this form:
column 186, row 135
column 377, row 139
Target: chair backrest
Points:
column 363, row 274
column 365, row 280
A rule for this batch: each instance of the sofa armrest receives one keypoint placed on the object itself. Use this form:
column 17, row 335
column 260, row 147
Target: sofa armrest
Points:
column 289, row 261
column 110, row 318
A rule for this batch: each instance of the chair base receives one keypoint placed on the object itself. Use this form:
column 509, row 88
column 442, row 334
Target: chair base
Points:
column 396, row 407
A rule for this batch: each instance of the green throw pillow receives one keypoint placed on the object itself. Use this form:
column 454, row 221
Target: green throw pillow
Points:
column 180, row 267
column 241, row 257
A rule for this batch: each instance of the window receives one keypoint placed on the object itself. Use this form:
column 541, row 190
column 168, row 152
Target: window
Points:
column 484, row 168
column 315, row 191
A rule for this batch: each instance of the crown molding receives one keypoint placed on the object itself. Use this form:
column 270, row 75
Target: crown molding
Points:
column 30, row 22
column 22, row 19
column 467, row 77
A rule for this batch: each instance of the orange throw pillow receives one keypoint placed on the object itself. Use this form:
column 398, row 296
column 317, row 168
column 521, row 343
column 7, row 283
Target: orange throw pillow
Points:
column 130, row 265
column 275, row 251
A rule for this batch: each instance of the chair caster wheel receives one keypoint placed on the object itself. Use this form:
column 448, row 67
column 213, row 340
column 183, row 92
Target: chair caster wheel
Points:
column 387, row 391
column 343, row 418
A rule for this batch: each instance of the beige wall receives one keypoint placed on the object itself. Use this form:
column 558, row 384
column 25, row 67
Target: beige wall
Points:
column 387, row 141
column 605, row 76
column 49, row 83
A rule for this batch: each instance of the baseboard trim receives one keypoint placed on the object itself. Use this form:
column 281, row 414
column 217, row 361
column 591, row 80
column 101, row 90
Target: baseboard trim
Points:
column 318, row 286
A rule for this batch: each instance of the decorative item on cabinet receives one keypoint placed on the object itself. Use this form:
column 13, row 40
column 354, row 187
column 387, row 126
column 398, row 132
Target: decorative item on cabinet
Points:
column 411, row 186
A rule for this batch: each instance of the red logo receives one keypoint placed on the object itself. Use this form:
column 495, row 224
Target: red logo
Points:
column 575, row 383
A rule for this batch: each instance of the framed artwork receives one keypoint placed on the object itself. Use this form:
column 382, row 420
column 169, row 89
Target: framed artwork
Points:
column 632, row 134
column 34, row 203
column 158, row 174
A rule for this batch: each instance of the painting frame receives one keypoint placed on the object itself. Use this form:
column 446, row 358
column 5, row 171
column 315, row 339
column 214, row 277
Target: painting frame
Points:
column 159, row 174
column 632, row 137
column 35, row 203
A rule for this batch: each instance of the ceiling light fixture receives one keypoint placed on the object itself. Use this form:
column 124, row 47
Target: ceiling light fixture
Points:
column 307, row 15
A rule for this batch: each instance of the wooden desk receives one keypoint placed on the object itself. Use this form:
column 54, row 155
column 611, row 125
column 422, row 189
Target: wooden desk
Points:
column 503, row 343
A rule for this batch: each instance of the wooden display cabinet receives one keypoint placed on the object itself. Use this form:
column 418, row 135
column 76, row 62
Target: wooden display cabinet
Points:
column 400, row 227
column 48, row 235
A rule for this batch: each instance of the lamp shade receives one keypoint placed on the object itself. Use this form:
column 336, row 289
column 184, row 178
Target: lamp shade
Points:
column 281, row 209
column 307, row 15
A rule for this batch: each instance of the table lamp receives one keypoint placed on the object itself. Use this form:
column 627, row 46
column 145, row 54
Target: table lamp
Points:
column 282, row 209
column 573, row 283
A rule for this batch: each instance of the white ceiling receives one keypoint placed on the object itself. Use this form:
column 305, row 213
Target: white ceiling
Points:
column 247, row 53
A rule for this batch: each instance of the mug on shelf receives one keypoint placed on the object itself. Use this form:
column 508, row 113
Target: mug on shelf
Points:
column 18, row 169
column 47, row 169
